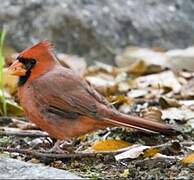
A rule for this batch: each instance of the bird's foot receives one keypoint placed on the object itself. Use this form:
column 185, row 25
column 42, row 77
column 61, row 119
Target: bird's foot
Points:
column 61, row 147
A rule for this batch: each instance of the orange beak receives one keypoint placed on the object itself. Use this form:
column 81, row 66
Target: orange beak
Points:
column 17, row 69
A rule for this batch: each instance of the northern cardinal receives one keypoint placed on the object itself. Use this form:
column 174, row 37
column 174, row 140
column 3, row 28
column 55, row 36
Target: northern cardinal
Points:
column 61, row 102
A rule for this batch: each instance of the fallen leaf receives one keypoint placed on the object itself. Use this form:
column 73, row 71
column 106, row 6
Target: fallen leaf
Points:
column 158, row 155
column 150, row 152
column 153, row 68
column 177, row 59
column 134, row 93
column 120, row 99
column 100, row 67
column 187, row 90
column 181, row 114
column 109, row 145
column 13, row 109
column 191, row 147
column 131, row 55
column 107, row 68
column 123, row 87
column 125, row 108
column 123, row 82
column 187, row 102
column 132, row 152
column 101, row 80
column 121, row 77
column 159, row 81
column 186, row 74
column 189, row 159
column 167, row 102
column 137, row 68
column 125, row 173
column 152, row 113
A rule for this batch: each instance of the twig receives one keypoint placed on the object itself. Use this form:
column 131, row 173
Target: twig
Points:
column 25, row 133
column 46, row 155
column 38, row 154
column 8, row 119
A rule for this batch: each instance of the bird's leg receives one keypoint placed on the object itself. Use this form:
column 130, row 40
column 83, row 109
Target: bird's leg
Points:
column 56, row 147
column 61, row 146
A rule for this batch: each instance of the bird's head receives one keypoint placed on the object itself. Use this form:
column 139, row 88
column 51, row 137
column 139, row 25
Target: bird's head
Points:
column 33, row 61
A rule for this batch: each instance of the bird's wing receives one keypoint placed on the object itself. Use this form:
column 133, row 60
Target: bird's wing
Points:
column 66, row 94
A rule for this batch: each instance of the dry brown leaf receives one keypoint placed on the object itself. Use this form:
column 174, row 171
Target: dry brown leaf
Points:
column 160, row 81
column 103, row 83
column 152, row 113
column 101, row 80
column 106, row 91
column 137, row 68
column 109, row 145
column 188, row 89
column 100, row 67
column 133, row 54
column 189, row 159
column 176, row 59
column 153, row 68
column 120, row 99
column 107, row 68
column 167, row 102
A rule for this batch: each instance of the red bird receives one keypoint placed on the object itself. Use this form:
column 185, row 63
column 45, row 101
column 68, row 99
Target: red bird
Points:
column 61, row 102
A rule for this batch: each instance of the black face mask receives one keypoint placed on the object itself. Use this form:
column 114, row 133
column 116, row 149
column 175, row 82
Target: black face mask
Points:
column 28, row 63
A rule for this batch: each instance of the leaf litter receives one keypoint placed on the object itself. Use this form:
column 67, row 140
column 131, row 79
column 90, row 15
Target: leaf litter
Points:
column 140, row 88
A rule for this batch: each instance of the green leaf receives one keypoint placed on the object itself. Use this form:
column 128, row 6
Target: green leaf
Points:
column 2, row 62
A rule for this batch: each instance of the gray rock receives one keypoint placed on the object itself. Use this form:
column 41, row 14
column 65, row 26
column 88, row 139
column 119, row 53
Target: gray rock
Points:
column 15, row 169
column 99, row 29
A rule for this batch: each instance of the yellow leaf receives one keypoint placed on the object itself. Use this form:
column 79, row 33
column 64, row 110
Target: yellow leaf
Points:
column 10, row 82
column 150, row 152
column 125, row 173
column 109, row 145
column 137, row 68
column 189, row 159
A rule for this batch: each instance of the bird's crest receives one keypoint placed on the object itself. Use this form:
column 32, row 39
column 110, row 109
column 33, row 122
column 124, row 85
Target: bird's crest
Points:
column 38, row 49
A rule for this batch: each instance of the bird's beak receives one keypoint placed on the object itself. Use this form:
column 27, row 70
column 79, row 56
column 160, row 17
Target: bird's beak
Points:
column 17, row 69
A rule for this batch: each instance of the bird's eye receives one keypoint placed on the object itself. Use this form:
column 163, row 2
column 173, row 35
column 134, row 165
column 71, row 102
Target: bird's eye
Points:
column 33, row 61
column 21, row 60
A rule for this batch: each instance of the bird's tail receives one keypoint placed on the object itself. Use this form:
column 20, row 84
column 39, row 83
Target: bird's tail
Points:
column 119, row 119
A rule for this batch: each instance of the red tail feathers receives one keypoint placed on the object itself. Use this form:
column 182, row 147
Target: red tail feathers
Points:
column 139, row 123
